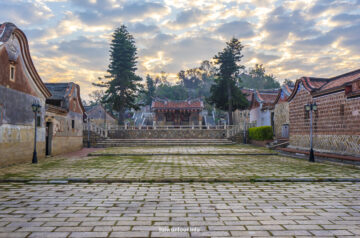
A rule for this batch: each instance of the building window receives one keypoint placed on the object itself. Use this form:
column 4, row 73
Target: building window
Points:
column 72, row 124
column 12, row 72
column 342, row 110
column 38, row 121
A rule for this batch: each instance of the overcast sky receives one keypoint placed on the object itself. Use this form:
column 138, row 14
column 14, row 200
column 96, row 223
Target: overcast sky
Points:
column 69, row 40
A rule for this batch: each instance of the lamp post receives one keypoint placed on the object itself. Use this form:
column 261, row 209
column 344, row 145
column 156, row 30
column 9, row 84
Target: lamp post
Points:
column 310, row 107
column 36, row 108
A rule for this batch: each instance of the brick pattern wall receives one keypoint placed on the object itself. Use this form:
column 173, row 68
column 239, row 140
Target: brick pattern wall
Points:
column 336, row 122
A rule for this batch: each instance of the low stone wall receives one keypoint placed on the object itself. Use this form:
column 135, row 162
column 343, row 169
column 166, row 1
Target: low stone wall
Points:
column 64, row 144
column 340, row 144
column 17, row 144
column 167, row 134
column 94, row 138
column 239, row 138
column 20, row 152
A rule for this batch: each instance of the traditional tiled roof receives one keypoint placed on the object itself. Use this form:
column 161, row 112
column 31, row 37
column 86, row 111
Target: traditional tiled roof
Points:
column 312, row 83
column 59, row 90
column 185, row 104
column 321, row 86
column 63, row 92
column 265, row 98
column 341, row 80
column 284, row 93
column 94, row 109
column 248, row 93
column 89, row 108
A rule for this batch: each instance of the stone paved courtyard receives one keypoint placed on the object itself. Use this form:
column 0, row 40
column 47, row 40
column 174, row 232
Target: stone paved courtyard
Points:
column 197, row 209
column 202, row 163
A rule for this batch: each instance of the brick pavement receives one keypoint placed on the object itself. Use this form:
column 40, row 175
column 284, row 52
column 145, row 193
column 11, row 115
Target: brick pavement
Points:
column 190, row 209
column 184, row 167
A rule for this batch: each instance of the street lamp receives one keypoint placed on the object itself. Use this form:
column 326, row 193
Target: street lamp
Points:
column 310, row 108
column 36, row 108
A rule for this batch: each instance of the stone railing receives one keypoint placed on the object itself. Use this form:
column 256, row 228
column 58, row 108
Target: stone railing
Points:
column 167, row 127
column 236, row 129
column 229, row 131
column 95, row 128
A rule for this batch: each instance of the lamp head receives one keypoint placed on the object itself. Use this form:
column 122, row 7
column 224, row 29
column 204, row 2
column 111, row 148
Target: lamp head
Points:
column 35, row 107
column 314, row 106
column 307, row 107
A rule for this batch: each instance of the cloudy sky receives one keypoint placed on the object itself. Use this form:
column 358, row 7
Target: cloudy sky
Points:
column 69, row 40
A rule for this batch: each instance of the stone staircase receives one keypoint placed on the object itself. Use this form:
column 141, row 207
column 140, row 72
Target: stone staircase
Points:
column 104, row 143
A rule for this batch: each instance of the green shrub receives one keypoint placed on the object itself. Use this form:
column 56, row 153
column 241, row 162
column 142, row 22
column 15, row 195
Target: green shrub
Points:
column 261, row 133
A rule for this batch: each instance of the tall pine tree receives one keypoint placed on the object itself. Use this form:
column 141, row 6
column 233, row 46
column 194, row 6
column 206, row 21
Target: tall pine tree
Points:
column 228, row 61
column 123, row 86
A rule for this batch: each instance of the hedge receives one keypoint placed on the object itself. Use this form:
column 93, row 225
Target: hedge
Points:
column 261, row 133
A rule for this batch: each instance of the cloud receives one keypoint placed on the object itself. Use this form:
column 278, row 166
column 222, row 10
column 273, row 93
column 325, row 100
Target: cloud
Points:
column 346, row 18
column 24, row 13
column 280, row 24
column 100, row 13
column 188, row 18
column 86, row 52
column 239, row 29
column 143, row 29
column 330, row 6
column 69, row 40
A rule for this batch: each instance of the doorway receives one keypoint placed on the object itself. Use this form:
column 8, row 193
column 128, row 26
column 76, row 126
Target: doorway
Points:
column 48, row 138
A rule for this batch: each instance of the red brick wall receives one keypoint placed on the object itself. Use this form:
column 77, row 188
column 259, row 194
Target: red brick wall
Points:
column 21, row 82
column 328, row 119
column 298, row 125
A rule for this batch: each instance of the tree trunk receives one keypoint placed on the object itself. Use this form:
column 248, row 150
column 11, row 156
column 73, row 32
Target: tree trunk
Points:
column 121, row 108
column 121, row 116
column 229, row 103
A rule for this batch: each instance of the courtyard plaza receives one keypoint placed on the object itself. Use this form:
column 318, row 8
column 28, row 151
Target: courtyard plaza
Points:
column 197, row 191
column 179, row 164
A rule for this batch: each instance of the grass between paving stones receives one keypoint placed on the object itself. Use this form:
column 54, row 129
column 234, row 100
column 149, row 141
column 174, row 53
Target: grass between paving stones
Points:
column 185, row 167
column 195, row 149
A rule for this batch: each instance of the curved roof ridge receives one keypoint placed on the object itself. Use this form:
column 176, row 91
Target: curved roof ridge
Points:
column 7, row 29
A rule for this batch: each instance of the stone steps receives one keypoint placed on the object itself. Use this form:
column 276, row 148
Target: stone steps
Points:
column 161, row 142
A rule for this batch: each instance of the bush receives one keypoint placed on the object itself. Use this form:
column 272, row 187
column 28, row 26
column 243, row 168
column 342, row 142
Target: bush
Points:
column 261, row 133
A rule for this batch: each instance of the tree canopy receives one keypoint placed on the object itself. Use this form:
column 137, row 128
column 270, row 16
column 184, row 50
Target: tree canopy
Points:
column 123, row 85
column 257, row 78
column 225, row 93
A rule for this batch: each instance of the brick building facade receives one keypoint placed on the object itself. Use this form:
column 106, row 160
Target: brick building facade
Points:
column 64, row 118
column 186, row 112
column 99, row 116
column 261, row 109
column 20, row 87
column 337, row 120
